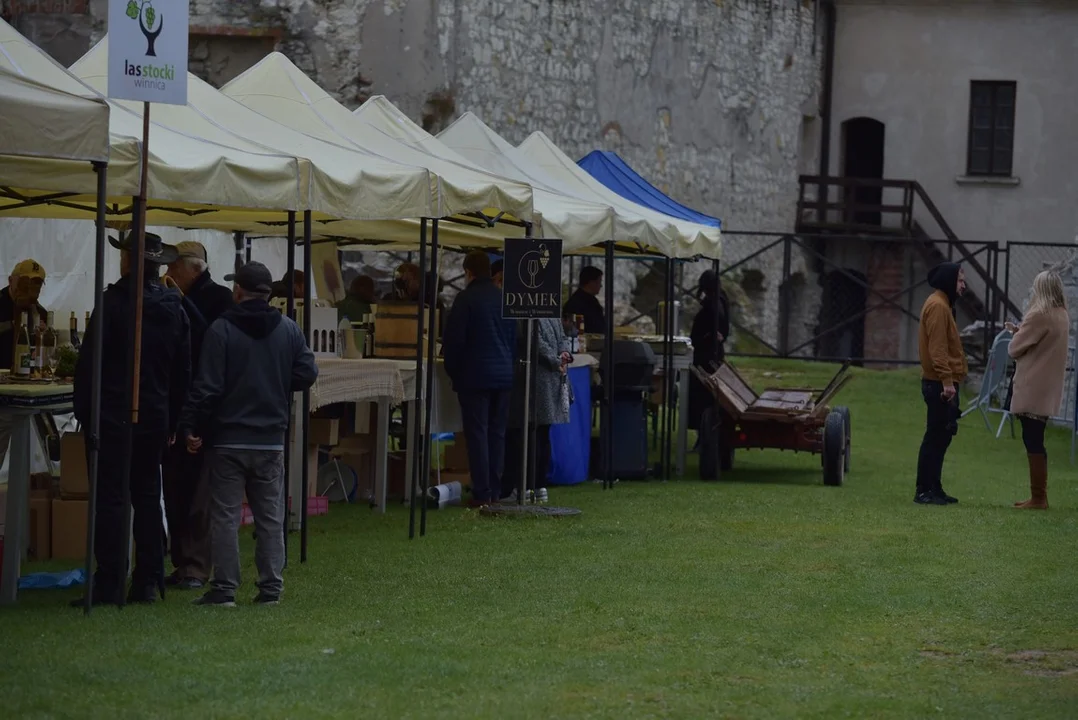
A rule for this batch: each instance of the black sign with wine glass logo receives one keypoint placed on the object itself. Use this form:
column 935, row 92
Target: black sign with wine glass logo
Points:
column 531, row 279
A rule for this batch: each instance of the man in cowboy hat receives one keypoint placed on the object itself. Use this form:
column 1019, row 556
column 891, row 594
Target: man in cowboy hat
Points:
column 187, row 497
column 165, row 372
column 20, row 295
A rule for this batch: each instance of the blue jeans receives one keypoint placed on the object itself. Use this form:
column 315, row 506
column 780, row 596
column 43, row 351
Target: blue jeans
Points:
column 484, row 414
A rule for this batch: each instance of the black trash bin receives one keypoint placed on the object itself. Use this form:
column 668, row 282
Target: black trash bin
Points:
column 634, row 367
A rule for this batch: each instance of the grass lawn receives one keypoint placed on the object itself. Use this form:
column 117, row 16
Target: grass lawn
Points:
column 764, row 595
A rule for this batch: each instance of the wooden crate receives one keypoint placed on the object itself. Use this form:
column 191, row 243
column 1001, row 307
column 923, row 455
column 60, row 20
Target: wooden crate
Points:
column 395, row 325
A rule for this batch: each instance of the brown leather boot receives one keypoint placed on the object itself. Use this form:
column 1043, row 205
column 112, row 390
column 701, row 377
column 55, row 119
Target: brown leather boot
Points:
column 1038, row 484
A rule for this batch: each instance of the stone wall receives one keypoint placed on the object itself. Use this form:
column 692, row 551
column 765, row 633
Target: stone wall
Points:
column 708, row 99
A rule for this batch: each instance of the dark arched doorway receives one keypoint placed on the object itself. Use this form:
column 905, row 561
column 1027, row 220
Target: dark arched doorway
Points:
column 862, row 157
column 839, row 335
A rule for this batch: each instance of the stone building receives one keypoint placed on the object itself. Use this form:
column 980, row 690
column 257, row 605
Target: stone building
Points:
column 974, row 100
column 715, row 101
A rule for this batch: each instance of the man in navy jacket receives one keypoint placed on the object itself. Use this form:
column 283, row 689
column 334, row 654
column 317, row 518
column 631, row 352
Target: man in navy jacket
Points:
column 478, row 349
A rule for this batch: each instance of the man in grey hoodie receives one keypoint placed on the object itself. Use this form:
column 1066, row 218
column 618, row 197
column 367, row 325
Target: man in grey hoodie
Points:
column 253, row 359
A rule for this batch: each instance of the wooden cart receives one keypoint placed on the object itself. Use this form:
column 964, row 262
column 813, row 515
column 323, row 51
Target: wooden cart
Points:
column 795, row 419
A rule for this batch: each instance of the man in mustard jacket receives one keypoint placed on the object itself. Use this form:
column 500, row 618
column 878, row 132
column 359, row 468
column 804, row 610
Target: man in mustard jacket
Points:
column 943, row 368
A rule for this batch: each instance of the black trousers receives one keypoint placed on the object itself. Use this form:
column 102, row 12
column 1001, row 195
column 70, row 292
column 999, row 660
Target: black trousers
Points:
column 187, row 506
column 484, row 415
column 146, row 452
column 514, row 458
column 1033, row 435
column 941, row 426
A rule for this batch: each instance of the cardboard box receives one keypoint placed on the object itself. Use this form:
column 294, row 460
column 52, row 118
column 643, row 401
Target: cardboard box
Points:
column 40, row 528
column 69, row 529
column 456, row 455
column 74, row 477
column 323, row 431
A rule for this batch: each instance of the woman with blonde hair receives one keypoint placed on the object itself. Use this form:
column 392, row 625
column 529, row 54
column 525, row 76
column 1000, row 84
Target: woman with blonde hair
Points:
column 1039, row 348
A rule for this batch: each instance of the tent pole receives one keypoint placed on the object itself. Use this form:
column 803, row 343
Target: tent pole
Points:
column 240, row 241
column 522, row 487
column 414, row 442
column 532, row 420
column 432, row 335
column 672, row 386
column 607, row 447
column 129, row 427
column 668, row 368
column 137, row 269
column 308, row 281
column 525, row 437
column 94, row 431
column 290, row 313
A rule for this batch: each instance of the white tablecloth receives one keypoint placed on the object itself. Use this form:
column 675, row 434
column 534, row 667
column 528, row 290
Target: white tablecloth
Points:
column 343, row 380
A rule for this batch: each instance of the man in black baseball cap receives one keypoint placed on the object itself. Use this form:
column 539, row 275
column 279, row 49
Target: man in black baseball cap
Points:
column 253, row 359
column 254, row 278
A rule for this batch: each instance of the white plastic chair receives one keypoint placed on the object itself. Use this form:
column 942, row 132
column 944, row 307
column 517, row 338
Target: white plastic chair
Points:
column 995, row 373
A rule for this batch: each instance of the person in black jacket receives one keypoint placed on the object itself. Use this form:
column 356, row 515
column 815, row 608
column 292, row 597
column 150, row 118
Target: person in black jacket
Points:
column 253, row 359
column 164, row 374
column 585, row 301
column 187, row 497
column 708, row 351
column 478, row 349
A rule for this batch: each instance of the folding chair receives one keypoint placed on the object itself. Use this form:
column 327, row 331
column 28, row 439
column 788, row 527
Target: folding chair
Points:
column 995, row 373
column 1007, row 407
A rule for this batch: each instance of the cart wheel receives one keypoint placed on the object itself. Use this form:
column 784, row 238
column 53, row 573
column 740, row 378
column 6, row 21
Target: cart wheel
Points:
column 845, row 412
column 834, row 452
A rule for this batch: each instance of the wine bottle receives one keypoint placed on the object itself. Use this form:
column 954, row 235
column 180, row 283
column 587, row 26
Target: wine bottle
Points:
column 35, row 346
column 74, row 329
column 22, row 360
column 49, row 344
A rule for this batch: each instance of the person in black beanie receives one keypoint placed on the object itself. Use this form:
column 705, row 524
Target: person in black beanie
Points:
column 708, row 348
column 943, row 368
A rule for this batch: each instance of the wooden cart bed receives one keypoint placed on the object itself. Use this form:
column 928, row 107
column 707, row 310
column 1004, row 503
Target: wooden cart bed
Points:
column 738, row 398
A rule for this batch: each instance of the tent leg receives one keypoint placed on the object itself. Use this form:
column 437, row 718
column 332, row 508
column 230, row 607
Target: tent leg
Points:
column 308, row 281
column 607, row 432
column 95, row 379
column 432, row 336
column 415, row 441
column 290, row 313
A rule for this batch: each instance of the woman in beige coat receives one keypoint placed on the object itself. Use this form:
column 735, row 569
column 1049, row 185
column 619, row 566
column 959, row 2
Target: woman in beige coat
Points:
column 1039, row 348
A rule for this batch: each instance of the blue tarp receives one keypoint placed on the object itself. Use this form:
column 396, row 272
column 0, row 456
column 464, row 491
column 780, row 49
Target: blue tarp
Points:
column 612, row 171
column 570, row 445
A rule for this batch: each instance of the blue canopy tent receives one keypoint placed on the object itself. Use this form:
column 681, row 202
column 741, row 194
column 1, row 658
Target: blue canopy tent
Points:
column 615, row 173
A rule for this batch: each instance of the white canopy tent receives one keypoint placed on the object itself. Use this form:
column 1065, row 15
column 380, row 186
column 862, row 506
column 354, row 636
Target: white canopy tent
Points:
column 579, row 223
column 279, row 90
column 335, row 181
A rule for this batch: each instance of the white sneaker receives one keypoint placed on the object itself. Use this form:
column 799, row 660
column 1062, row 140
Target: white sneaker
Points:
column 541, row 496
column 514, row 496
